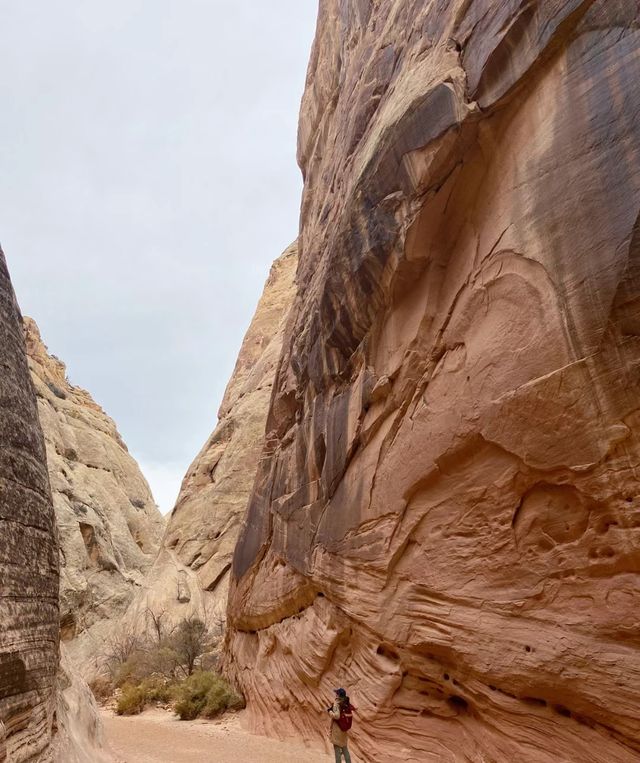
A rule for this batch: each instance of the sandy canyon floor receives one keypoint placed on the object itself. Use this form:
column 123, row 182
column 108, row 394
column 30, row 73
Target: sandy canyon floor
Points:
column 157, row 736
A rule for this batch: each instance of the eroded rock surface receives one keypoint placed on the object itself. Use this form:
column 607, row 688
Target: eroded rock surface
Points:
column 28, row 556
column 109, row 525
column 446, row 517
column 191, row 573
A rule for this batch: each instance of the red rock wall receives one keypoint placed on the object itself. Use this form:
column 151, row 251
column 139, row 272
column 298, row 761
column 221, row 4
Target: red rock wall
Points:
column 446, row 518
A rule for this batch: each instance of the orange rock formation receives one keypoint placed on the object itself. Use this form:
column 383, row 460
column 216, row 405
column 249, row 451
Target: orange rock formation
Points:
column 446, row 517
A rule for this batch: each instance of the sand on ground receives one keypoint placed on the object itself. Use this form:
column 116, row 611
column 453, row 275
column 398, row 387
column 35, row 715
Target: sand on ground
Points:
column 157, row 736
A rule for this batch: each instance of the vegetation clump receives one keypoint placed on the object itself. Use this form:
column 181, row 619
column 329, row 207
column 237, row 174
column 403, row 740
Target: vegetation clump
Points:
column 205, row 694
column 167, row 669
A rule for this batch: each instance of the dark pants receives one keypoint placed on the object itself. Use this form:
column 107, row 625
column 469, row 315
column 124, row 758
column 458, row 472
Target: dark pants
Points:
column 340, row 751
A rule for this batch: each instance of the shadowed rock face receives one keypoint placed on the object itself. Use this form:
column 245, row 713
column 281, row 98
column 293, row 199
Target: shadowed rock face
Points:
column 109, row 525
column 28, row 555
column 446, row 515
column 191, row 573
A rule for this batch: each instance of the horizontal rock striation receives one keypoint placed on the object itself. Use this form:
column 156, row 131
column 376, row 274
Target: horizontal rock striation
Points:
column 109, row 525
column 28, row 556
column 191, row 573
column 446, row 516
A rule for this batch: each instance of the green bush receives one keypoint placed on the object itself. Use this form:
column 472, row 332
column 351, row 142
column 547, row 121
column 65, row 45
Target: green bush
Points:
column 157, row 689
column 205, row 694
column 220, row 697
column 191, row 695
column 132, row 701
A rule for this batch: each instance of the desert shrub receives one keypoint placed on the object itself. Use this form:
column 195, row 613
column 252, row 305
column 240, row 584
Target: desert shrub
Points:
column 221, row 697
column 132, row 701
column 189, row 641
column 157, row 690
column 205, row 694
column 132, row 671
column 167, row 666
column 101, row 688
column 164, row 661
column 191, row 695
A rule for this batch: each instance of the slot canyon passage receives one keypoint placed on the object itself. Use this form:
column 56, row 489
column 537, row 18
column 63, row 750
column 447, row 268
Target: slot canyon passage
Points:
column 423, row 484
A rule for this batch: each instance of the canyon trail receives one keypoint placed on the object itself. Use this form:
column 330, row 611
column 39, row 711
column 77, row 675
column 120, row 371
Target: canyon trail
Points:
column 156, row 737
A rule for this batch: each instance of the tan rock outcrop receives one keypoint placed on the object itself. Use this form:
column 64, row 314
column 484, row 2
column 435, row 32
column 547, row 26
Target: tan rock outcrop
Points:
column 109, row 525
column 191, row 572
column 446, row 517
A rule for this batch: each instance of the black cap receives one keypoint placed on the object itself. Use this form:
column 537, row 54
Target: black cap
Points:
column 340, row 692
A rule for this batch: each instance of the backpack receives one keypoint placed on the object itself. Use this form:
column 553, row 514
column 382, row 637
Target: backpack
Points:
column 346, row 718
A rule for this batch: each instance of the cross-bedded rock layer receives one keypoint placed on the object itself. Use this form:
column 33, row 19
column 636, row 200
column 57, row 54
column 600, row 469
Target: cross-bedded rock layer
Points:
column 446, row 517
column 191, row 573
column 109, row 525
column 28, row 556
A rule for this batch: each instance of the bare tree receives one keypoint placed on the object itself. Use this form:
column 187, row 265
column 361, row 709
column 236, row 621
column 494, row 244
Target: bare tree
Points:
column 214, row 617
column 158, row 624
column 120, row 647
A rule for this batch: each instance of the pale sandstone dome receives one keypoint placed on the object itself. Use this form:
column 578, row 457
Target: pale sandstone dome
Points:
column 446, row 516
column 109, row 525
column 191, row 572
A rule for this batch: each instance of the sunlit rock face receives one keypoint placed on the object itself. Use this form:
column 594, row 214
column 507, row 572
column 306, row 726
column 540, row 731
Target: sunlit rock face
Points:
column 28, row 556
column 446, row 517
column 109, row 525
column 191, row 573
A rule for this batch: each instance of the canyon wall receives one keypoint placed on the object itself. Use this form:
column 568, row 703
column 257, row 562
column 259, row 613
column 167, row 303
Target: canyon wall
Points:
column 108, row 523
column 191, row 573
column 446, row 515
column 28, row 555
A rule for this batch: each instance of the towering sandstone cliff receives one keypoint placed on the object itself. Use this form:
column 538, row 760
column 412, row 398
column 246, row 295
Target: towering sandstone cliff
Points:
column 446, row 517
column 109, row 525
column 191, row 573
column 46, row 711
column 28, row 556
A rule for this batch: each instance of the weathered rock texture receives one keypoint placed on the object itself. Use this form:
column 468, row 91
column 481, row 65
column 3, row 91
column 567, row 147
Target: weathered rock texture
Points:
column 80, row 737
column 446, row 518
column 191, row 573
column 28, row 556
column 109, row 525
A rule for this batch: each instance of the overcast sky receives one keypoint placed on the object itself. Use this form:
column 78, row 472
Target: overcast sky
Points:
column 147, row 160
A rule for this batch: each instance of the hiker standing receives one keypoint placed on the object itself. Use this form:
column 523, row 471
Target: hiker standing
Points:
column 341, row 714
